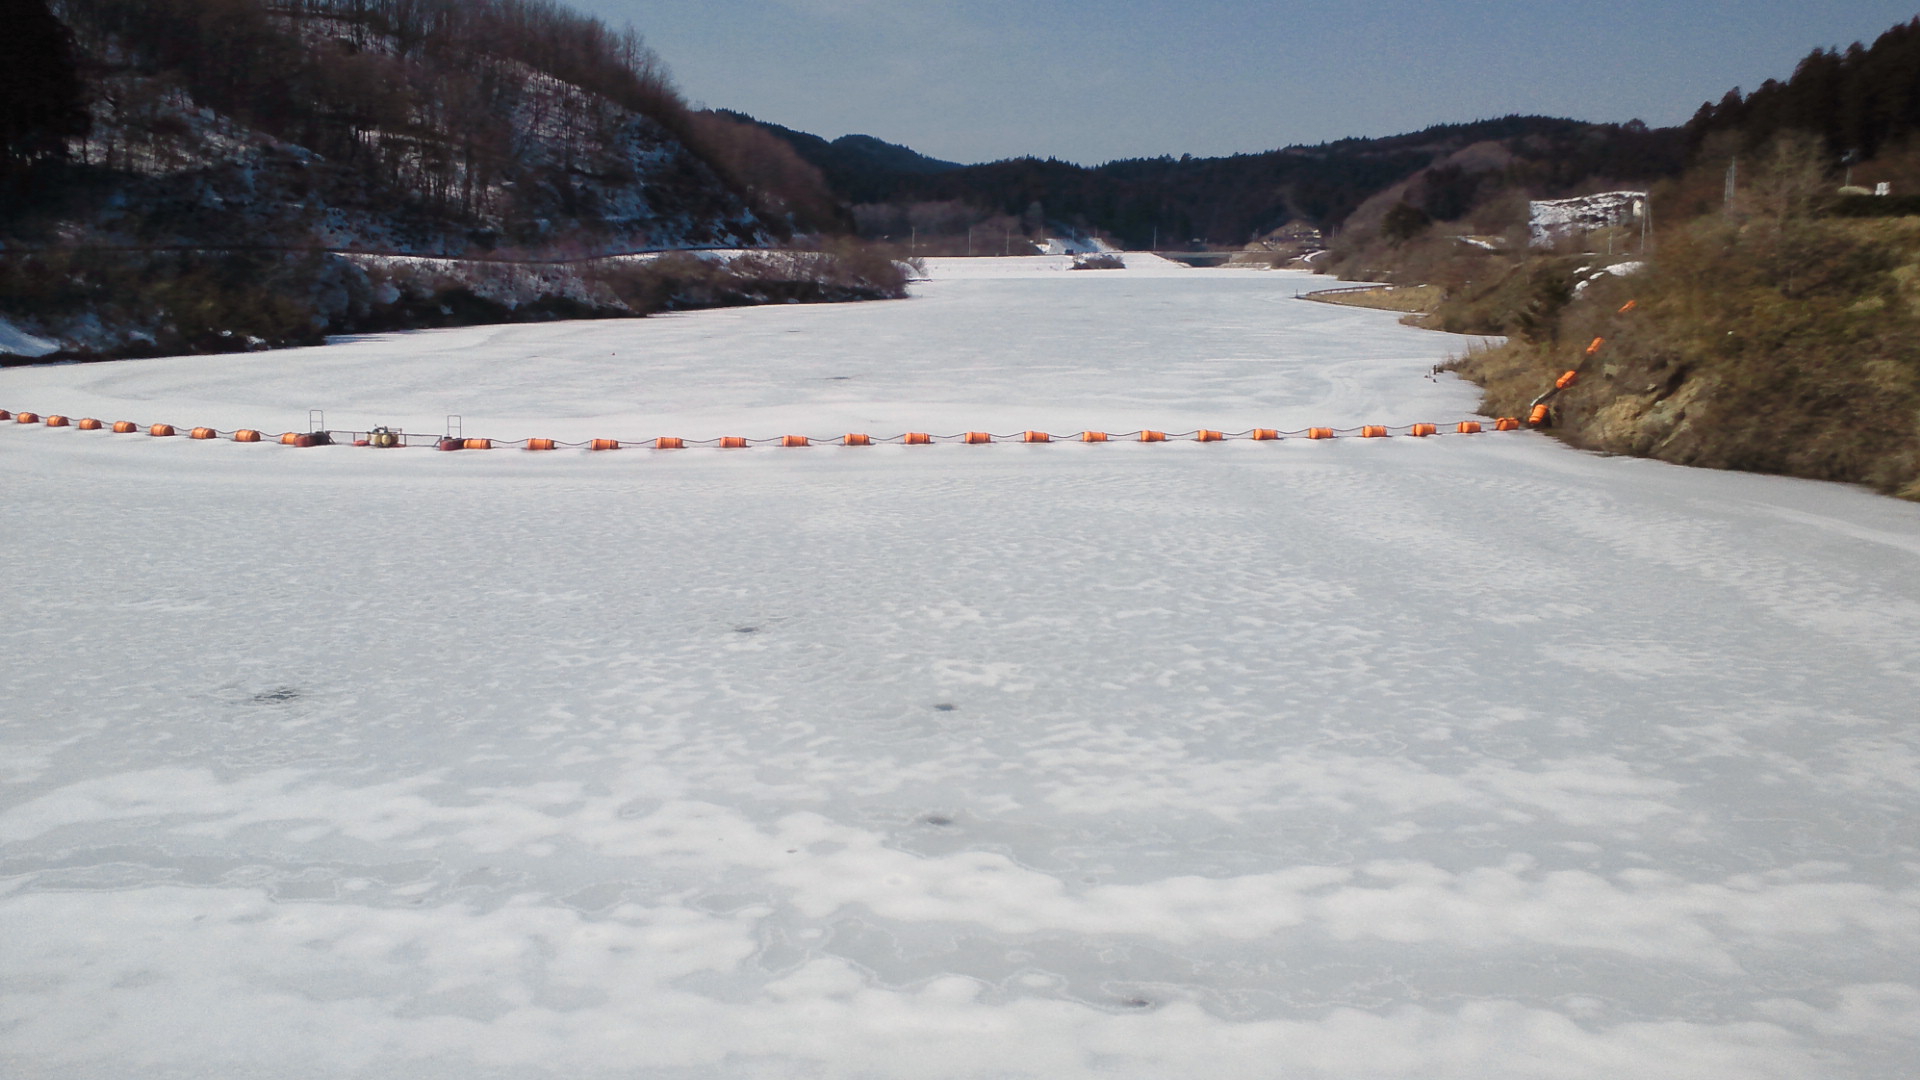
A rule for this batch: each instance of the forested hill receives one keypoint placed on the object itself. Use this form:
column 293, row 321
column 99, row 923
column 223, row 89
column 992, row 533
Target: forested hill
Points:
column 192, row 175
column 857, row 168
column 418, row 125
column 1859, row 102
column 1228, row 201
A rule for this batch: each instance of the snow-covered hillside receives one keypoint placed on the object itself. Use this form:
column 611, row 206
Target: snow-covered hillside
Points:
column 241, row 155
column 1458, row 757
column 1552, row 220
column 562, row 166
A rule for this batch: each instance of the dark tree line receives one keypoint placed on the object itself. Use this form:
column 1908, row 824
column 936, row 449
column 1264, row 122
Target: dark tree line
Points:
column 1231, row 200
column 42, row 99
column 1859, row 101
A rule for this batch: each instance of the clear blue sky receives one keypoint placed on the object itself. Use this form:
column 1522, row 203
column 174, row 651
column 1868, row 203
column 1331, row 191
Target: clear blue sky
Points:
column 1094, row 80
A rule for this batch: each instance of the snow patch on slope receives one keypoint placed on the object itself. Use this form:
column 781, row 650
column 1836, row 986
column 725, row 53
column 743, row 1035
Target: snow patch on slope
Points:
column 18, row 342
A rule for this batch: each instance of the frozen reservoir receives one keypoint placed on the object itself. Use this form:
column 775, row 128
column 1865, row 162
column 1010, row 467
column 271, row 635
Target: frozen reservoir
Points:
column 1458, row 757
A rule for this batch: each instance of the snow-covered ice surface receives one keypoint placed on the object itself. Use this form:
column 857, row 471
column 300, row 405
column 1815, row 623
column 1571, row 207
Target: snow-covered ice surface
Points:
column 1457, row 757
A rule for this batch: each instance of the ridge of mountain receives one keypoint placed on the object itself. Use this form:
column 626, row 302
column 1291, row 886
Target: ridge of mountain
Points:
column 1230, row 200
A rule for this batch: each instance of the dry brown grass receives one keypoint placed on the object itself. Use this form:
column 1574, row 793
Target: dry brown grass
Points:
column 1411, row 299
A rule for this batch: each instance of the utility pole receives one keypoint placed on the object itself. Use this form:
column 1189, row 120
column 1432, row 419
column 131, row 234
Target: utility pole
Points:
column 1733, row 173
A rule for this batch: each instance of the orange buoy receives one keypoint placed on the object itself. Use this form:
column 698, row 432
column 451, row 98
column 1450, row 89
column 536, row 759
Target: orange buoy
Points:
column 539, row 444
column 1203, row 435
column 975, row 438
column 918, row 438
column 732, row 442
column 1538, row 416
column 477, row 444
column 1506, row 423
column 1373, row 431
column 203, row 433
column 856, row 440
column 1566, row 380
column 290, row 438
column 608, row 444
column 1153, row 436
column 1423, row 430
column 794, row 440
column 246, row 435
column 1261, row 434
column 88, row 423
column 1595, row 347
column 26, row 418
column 1093, row 436
column 1468, row 427
column 160, row 431
column 125, row 427
column 1319, row 433
column 668, row 442
column 57, row 420
column 1036, row 436
column 1629, row 306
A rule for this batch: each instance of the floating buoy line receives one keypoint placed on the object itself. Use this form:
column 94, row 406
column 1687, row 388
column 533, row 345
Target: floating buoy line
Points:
column 318, row 434
column 1539, row 414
